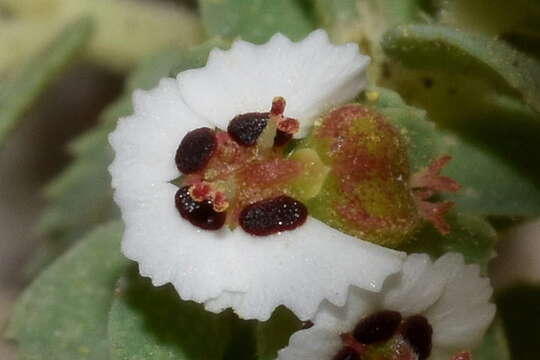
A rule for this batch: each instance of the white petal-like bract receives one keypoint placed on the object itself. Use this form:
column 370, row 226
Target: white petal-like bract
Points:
column 312, row 75
column 223, row 269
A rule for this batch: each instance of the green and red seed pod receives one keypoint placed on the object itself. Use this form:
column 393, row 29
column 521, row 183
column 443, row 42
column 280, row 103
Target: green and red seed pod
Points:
column 367, row 192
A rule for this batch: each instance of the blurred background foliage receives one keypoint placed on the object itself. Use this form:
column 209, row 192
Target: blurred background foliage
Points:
column 459, row 77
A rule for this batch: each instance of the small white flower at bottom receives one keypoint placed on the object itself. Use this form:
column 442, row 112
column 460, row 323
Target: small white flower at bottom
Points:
column 231, row 268
column 432, row 310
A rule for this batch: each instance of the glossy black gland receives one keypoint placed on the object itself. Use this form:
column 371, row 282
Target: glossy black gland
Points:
column 245, row 129
column 282, row 138
column 273, row 215
column 377, row 327
column 417, row 331
column 199, row 213
column 346, row 353
column 195, row 150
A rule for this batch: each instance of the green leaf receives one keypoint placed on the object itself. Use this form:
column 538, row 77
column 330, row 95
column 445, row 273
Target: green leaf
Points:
column 349, row 20
column 341, row 18
column 63, row 314
column 491, row 17
column 470, row 235
column 257, row 20
column 441, row 47
column 22, row 92
column 81, row 196
column 274, row 334
column 148, row 322
column 365, row 22
column 520, row 313
column 495, row 345
column 424, row 145
column 473, row 108
column 242, row 344
column 490, row 184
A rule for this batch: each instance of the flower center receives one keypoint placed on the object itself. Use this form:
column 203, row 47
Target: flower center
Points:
column 385, row 335
column 245, row 176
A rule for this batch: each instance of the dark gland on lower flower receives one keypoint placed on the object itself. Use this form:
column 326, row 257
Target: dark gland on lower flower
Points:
column 244, row 177
column 385, row 335
column 370, row 192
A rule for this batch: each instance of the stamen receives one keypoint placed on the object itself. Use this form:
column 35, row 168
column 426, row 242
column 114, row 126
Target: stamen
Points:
column 204, row 191
column 278, row 106
column 289, row 126
column 200, row 191
column 377, row 327
column 284, row 124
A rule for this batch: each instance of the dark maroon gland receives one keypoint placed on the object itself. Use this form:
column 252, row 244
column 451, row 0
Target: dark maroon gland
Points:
column 377, row 327
column 273, row 215
column 199, row 213
column 245, row 129
column 417, row 331
column 195, row 150
column 282, row 138
column 346, row 353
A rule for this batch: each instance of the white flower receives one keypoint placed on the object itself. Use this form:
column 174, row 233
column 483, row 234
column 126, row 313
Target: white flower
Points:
column 451, row 296
column 230, row 268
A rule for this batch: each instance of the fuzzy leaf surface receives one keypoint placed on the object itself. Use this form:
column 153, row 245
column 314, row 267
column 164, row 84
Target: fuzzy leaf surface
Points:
column 63, row 314
column 436, row 46
column 274, row 334
column 256, row 20
column 495, row 345
column 492, row 17
column 17, row 95
column 148, row 322
column 470, row 235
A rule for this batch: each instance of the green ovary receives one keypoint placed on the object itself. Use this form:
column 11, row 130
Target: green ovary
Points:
column 366, row 192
